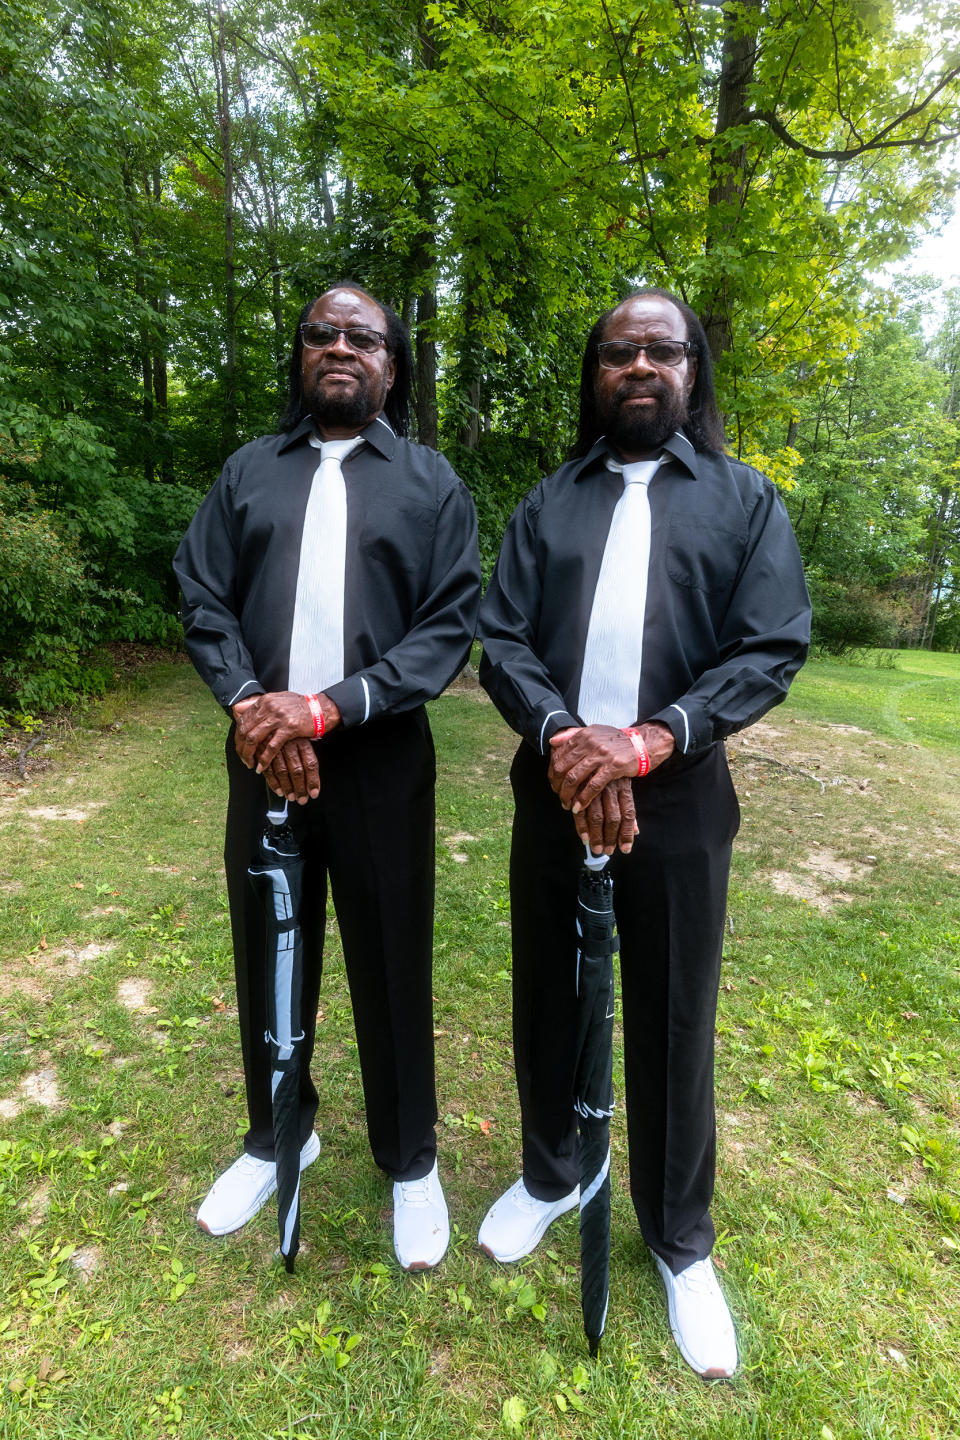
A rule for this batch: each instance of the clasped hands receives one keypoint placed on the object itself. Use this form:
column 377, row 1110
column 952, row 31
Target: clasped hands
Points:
column 274, row 735
column 591, row 769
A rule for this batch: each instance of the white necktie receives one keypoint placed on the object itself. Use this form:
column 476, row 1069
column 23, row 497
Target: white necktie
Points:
column 316, row 644
column 613, row 653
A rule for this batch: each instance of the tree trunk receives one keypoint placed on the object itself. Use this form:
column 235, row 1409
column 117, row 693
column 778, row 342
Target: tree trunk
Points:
column 818, row 524
column 159, row 363
column 139, row 289
column 425, row 363
column 470, row 429
column 727, row 169
column 423, row 265
column 932, row 575
column 469, row 369
column 230, row 413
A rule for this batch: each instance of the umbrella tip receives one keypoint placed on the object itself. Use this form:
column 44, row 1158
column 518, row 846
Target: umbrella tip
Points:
column 594, row 1341
column 288, row 1263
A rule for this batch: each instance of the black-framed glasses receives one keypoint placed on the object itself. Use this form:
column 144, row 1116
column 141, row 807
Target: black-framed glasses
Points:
column 317, row 335
column 618, row 354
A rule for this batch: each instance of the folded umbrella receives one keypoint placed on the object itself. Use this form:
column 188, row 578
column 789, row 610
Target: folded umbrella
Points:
column 593, row 1088
column 277, row 876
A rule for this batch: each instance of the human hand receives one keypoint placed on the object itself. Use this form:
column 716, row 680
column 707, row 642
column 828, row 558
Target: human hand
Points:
column 584, row 761
column 609, row 822
column 266, row 722
column 294, row 773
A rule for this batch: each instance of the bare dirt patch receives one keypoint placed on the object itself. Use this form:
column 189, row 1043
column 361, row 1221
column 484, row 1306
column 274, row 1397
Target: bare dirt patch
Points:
column 801, row 782
column 134, row 992
column 70, row 959
column 15, row 984
column 86, row 1262
column 77, row 813
column 824, row 870
column 36, row 1207
column 38, row 1088
column 804, row 889
column 831, row 867
column 453, row 841
column 467, row 683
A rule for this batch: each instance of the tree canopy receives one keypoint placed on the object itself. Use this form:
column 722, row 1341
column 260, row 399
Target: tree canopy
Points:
column 179, row 178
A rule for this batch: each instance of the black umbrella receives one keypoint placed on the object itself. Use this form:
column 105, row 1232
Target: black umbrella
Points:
column 277, row 876
column 594, row 1087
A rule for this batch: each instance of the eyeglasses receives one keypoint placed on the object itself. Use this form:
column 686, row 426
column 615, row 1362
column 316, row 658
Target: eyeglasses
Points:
column 317, row 335
column 618, row 354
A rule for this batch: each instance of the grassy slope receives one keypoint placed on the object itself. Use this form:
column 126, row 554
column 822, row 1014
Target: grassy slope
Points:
column 838, row 1059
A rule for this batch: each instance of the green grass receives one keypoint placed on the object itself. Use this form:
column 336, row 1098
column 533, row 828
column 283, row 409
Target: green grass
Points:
column 837, row 1076
column 908, row 694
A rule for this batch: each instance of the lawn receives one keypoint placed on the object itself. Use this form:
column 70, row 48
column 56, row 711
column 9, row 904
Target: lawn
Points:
column 838, row 1201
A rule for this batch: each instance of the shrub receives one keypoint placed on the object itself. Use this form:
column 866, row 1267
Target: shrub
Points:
column 50, row 612
column 848, row 615
column 498, row 473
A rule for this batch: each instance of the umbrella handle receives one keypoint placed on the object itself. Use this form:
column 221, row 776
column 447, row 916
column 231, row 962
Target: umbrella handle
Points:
column 593, row 862
column 276, row 810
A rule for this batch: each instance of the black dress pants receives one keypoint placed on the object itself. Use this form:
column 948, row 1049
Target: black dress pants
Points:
column 372, row 831
column 670, row 900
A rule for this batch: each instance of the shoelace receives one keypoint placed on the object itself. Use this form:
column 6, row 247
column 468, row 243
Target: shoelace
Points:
column 415, row 1192
column 697, row 1278
column 524, row 1200
column 250, row 1164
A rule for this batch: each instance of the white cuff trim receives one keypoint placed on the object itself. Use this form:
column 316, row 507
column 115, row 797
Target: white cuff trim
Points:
column 366, row 699
column 686, row 728
column 240, row 692
column 545, row 723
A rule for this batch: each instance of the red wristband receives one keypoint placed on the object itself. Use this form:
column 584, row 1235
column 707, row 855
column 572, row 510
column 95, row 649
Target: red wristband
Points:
column 636, row 740
column 316, row 710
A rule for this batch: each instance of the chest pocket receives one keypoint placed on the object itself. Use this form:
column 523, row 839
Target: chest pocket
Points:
column 703, row 557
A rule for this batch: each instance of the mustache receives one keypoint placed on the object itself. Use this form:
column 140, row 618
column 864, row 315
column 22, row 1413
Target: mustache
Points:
column 630, row 389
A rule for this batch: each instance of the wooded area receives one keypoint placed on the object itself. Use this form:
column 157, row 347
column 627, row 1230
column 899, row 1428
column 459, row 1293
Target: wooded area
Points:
column 178, row 178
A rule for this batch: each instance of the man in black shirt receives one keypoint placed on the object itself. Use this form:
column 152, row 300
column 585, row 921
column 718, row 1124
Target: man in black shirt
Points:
column 648, row 601
column 330, row 586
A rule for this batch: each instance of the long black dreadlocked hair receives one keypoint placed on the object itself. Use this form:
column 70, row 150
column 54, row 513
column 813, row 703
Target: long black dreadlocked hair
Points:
column 397, row 405
column 703, row 425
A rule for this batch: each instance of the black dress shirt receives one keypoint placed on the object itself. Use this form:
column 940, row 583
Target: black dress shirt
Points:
column 727, row 620
column 412, row 583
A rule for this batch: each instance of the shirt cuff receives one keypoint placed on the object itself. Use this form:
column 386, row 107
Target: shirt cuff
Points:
column 236, row 687
column 352, row 699
column 688, row 725
column 550, row 723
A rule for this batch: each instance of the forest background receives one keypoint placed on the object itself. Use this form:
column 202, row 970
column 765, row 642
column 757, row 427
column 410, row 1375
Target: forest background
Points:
column 178, row 178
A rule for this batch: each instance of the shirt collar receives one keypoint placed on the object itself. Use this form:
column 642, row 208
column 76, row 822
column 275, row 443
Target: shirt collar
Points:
column 378, row 433
column 677, row 446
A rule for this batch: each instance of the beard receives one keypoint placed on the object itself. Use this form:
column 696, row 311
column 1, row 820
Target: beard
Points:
column 635, row 431
column 356, row 406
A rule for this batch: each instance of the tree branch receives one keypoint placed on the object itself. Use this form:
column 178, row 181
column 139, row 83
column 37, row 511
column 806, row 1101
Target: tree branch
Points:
column 880, row 141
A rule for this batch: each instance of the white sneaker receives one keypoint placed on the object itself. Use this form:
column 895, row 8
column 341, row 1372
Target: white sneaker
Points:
column 243, row 1189
column 421, row 1226
column 699, row 1319
column 515, row 1224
